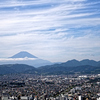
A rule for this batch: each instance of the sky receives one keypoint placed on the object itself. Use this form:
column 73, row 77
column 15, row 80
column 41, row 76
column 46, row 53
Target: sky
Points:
column 54, row 30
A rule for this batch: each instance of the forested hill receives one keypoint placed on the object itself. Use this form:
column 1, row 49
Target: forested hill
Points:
column 70, row 67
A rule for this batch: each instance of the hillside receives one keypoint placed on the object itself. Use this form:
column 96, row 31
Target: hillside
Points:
column 16, row 68
column 70, row 67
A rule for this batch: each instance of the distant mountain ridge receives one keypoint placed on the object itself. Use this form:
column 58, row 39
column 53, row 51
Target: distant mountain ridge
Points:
column 85, row 66
column 75, row 63
column 72, row 66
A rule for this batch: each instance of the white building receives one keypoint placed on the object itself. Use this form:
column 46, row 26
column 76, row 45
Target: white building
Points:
column 98, row 98
column 80, row 97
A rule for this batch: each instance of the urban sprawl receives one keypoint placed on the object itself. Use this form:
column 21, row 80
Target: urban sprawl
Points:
column 49, row 87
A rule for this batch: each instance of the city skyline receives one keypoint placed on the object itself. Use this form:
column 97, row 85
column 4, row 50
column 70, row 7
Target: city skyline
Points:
column 53, row 30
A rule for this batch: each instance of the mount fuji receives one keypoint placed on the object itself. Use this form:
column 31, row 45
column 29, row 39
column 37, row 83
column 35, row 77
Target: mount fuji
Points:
column 23, row 54
column 24, row 57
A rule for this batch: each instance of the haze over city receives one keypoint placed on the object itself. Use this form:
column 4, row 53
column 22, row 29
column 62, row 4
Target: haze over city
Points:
column 53, row 30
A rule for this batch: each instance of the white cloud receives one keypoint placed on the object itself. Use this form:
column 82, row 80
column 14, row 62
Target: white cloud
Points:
column 48, row 30
column 14, row 3
column 16, row 59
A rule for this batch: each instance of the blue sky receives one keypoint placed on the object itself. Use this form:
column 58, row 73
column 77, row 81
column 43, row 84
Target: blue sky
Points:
column 55, row 30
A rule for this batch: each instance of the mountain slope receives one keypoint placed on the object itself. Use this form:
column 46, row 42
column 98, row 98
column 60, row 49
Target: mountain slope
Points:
column 72, row 66
column 71, row 63
column 16, row 68
column 21, row 67
column 84, row 69
column 6, row 70
column 89, row 62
